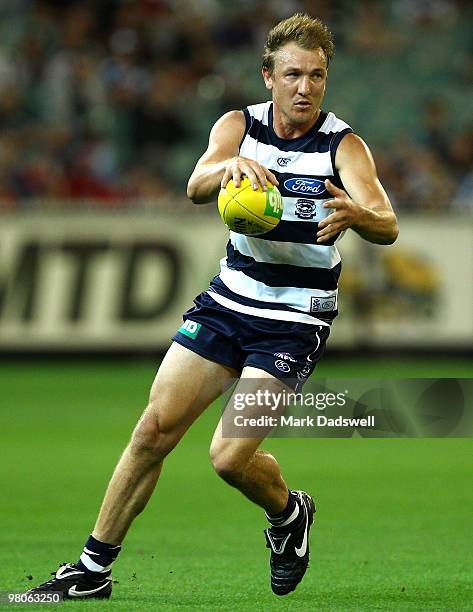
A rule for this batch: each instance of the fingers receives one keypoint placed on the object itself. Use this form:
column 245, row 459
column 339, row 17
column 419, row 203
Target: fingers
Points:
column 257, row 174
column 270, row 176
column 340, row 219
column 335, row 203
column 329, row 232
column 327, row 221
column 236, row 176
column 333, row 189
column 329, row 227
column 233, row 172
column 263, row 175
column 227, row 175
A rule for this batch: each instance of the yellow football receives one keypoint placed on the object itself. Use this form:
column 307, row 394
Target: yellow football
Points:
column 248, row 211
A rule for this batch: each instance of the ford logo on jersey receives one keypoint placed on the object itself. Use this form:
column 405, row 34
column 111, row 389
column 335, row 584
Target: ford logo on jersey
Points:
column 305, row 185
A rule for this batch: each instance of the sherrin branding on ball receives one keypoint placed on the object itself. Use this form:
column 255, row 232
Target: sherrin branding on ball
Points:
column 248, row 211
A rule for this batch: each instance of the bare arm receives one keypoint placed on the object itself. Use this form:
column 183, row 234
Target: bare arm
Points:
column 221, row 162
column 365, row 206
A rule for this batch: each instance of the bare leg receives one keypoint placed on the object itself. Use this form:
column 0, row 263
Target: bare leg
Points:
column 261, row 481
column 183, row 388
column 255, row 473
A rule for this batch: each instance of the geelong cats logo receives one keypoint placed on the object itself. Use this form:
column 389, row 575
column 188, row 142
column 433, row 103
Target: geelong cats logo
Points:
column 305, row 209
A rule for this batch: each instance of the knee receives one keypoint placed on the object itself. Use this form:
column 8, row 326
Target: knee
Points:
column 227, row 464
column 148, row 440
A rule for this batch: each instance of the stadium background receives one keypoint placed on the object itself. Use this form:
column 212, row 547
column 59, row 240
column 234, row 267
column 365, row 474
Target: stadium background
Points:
column 104, row 108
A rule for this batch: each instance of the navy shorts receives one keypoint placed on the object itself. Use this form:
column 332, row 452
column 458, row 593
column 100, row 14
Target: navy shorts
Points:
column 287, row 350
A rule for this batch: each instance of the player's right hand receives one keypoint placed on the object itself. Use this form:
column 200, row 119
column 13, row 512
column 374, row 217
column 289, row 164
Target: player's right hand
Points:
column 258, row 174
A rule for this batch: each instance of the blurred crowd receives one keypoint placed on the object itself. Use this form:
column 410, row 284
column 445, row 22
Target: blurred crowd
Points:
column 433, row 172
column 111, row 101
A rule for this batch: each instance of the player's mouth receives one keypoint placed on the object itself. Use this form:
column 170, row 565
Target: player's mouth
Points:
column 302, row 104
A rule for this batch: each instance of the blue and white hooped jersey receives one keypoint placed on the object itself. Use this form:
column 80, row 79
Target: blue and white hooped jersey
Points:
column 284, row 274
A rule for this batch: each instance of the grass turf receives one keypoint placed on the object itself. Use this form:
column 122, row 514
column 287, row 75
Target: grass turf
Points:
column 393, row 530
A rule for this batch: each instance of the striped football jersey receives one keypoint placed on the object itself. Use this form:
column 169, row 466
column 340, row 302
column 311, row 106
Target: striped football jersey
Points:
column 284, row 274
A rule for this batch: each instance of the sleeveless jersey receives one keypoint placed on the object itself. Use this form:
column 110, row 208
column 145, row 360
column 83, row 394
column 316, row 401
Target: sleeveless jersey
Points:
column 284, row 274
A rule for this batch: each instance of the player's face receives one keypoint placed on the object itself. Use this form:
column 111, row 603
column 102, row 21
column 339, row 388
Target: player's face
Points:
column 298, row 84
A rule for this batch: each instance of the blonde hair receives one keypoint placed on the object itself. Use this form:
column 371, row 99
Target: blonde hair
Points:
column 306, row 31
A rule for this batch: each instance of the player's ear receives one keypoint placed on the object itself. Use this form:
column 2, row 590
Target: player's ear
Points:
column 268, row 81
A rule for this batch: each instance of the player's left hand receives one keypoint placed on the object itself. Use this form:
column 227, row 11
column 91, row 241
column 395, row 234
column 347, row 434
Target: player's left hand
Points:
column 344, row 216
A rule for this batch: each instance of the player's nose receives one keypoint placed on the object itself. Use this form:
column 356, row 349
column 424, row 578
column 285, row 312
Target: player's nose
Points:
column 304, row 86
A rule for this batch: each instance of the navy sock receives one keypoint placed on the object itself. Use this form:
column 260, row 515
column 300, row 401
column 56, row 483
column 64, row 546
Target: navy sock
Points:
column 97, row 558
column 288, row 515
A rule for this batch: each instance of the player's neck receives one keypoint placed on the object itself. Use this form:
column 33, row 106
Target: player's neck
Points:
column 283, row 127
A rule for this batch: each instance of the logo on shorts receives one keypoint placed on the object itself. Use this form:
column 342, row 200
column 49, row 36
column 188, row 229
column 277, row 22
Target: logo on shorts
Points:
column 285, row 356
column 190, row 328
column 320, row 304
column 305, row 209
column 304, row 373
column 282, row 366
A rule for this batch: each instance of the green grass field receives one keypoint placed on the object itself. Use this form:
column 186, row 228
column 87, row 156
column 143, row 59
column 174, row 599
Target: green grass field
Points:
column 393, row 530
